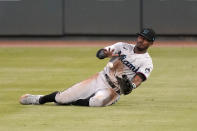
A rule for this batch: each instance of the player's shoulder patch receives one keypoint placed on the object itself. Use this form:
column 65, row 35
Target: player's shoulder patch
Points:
column 147, row 70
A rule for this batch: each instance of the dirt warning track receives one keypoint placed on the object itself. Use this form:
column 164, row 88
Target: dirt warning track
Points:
column 78, row 43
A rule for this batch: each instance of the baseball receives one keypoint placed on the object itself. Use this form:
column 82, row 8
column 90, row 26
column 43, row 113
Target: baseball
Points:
column 111, row 65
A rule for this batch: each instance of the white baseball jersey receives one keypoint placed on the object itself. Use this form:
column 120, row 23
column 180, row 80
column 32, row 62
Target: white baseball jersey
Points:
column 97, row 88
column 129, row 63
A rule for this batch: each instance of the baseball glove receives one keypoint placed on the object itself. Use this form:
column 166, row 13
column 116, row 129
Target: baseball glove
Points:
column 126, row 86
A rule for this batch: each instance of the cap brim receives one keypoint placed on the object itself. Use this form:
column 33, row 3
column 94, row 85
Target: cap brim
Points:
column 144, row 36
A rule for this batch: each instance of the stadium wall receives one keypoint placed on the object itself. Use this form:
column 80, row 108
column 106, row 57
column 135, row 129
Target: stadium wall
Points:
column 97, row 17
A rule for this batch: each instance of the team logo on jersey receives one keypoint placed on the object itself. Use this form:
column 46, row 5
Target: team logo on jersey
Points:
column 128, row 64
column 147, row 70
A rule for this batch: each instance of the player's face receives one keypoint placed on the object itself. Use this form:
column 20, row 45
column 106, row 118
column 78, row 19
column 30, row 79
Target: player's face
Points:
column 143, row 43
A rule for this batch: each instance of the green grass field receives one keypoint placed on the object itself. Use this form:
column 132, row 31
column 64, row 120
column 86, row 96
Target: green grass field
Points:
column 166, row 102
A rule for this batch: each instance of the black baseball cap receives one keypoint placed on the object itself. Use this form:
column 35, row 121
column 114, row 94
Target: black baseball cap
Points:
column 147, row 33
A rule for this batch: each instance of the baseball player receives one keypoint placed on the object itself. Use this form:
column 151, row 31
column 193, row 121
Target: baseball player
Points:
column 128, row 67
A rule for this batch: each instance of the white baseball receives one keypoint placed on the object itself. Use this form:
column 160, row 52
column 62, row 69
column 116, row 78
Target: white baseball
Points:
column 111, row 65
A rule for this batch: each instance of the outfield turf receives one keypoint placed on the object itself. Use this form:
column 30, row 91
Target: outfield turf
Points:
column 166, row 102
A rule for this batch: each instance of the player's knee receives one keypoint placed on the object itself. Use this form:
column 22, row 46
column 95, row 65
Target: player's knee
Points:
column 96, row 102
column 101, row 98
column 59, row 99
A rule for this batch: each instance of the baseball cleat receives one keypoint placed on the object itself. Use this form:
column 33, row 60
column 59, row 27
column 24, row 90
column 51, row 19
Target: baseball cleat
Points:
column 29, row 99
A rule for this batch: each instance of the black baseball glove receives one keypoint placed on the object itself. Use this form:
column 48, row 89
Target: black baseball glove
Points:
column 126, row 86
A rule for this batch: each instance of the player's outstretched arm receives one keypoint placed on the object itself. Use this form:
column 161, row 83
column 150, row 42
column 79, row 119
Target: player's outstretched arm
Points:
column 103, row 53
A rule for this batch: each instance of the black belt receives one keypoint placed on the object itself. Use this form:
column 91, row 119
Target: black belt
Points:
column 111, row 83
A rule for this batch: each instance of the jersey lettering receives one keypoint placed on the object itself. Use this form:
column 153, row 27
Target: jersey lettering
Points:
column 128, row 64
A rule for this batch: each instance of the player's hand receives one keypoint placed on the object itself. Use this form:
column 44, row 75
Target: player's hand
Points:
column 110, row 53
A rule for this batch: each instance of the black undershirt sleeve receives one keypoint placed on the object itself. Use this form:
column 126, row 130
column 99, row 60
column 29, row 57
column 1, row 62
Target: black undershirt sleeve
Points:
column 142, row 76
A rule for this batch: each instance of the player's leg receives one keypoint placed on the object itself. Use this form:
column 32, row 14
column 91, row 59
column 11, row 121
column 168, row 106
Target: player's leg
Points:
column 104, row 97
column 80, row 91
column 94, row 92
column 77, row 95
column 74, row 94
column 91, row 92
